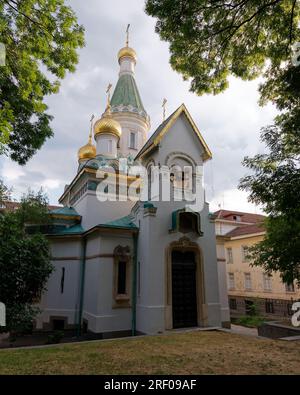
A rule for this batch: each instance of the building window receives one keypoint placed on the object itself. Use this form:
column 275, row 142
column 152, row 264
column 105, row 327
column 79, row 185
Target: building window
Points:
column 267, row 280
column 109, row 146
column 248, row 282
column 289, row 287
column 132, row 140
column 237, row 218
column 269, row 307
column 122, row 273
column 62, row 280
column 245, row 253
column 188, row 222
column 231, row 284
column 58, row 325
column 229, row 255
column 121, row 278
column 232, row 304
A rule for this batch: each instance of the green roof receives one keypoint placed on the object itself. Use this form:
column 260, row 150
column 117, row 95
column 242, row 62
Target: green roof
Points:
column 124, row 222
column 126, row 95
column 70, row 211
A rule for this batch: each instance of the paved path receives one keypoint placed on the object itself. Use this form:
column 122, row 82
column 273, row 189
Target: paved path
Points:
column 242, row 330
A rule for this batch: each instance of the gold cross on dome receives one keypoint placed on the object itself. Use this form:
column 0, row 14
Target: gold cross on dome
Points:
column 164, row 108
column 91, row 128
column 127, row 35
column 108, row 93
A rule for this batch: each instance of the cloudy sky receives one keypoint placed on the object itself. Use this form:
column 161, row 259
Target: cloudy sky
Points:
column 229, row 122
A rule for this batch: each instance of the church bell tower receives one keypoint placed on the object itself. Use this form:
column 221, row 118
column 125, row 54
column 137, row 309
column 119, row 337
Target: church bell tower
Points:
column 126, row 105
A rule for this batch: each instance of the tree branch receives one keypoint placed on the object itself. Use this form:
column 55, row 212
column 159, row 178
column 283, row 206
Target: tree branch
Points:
column 292, row 18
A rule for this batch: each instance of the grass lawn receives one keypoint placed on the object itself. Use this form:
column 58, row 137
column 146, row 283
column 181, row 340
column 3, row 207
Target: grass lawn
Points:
column 178, row 353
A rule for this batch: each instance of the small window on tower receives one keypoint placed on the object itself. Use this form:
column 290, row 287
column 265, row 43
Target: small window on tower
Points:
column 132, row 140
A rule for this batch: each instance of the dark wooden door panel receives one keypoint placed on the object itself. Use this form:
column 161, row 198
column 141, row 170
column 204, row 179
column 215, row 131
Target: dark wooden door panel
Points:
column 184, row 301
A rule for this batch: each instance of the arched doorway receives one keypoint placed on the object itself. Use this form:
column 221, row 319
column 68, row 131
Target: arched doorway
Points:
column 184, row 292
column 190, row 263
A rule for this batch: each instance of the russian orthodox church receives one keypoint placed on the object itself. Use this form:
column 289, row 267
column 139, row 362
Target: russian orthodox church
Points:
column 133, row 266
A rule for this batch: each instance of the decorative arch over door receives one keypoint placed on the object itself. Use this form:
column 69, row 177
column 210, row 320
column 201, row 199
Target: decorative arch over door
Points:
column 185, row 245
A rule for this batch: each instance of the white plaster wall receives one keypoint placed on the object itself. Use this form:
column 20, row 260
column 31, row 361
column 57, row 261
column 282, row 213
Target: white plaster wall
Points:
column 127, row 66
column 154, row 238
column 53, row 302
column 102, row 145
column 222, row 276
column 223, row 228
column 94, row 212
column 99, row 307
column 131, row 122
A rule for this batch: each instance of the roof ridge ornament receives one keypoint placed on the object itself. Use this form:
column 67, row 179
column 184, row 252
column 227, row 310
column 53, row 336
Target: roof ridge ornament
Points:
column 108, row 89
column 88, row 151
column 127, row 35
column 164, row 104
column 127, row 51
column 106, row 124
column 91, row 128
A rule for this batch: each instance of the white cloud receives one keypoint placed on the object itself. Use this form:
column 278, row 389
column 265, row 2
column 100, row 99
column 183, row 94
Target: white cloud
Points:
column 49, row 184
column 11, row 172
column 233, row 199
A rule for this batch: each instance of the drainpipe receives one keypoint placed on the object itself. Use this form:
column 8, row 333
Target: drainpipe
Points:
column 134, row 278
column 81, row 291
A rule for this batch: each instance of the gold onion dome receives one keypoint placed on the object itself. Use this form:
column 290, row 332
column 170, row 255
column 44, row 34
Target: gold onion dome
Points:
column 88, row 151
column 107, row 125
column 127, row 51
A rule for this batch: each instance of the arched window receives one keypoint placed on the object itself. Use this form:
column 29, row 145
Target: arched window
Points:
column 150, row 177
column 122, row 274
column 187, row 222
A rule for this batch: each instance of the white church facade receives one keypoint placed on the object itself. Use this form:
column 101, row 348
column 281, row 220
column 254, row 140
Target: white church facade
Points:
column 143, row 266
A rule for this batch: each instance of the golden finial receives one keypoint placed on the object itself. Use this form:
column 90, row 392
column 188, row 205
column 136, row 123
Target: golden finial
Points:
column 108, row 94
column 164, row 108
column 88, row 151
column 91, row 128
column 127, row 35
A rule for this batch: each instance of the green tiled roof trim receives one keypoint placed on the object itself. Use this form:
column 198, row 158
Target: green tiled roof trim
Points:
column 124, row 222
column 70, row 211
column 126, row 96
column 148, row 205
column 71, row 230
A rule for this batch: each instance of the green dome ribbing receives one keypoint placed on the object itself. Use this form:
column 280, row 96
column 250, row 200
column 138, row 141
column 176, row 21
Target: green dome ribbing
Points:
column 126, row 96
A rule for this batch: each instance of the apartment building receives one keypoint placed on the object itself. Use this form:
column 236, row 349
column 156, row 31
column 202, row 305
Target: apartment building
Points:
column 250, row 288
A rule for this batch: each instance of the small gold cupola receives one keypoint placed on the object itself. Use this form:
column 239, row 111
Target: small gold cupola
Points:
column 127, row 52
column 88, row 151
column 107, row 125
